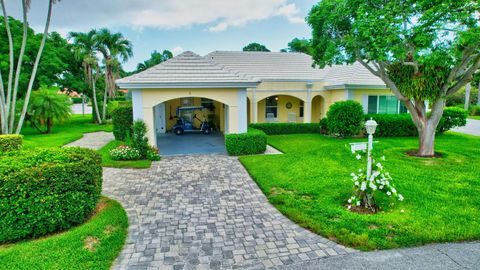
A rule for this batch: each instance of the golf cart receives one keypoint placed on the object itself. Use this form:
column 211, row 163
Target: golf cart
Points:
column 185, row 121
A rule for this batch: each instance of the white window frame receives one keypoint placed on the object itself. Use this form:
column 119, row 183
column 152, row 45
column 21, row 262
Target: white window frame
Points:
column 378, row 102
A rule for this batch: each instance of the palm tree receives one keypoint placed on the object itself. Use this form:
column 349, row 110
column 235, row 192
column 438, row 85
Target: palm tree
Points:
column 85, row 47
column 47, row 107
column 115, row 49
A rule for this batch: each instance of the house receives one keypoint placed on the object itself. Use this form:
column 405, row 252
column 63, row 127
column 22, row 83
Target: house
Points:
column 239, row 88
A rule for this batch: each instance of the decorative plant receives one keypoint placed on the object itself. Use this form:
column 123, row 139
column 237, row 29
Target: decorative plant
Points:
column 367, row 190
column 124, row 152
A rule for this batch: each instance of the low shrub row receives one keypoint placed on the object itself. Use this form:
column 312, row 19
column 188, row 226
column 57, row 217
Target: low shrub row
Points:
column 10, row 142
column 286, row 128
column 252, row 142
column 47, row 191
column 474, row 110
column 401, row 125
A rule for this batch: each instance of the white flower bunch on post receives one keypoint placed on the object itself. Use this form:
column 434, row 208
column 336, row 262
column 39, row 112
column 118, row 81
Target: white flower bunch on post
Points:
column 366, row 190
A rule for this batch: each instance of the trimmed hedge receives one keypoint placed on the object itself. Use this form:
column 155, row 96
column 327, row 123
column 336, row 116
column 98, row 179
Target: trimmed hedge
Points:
column 401, row 125
column 286, row 128
column 10, row 142
column 252, row 142
column 393, row 125
column 47, row 191
column 122, row 119
column 345, row 118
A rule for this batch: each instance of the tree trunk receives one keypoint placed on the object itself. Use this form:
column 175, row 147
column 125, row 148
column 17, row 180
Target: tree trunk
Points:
column 478, row 95
column 35, row 67
column 95, row 104
column 19, row 66
column 427, row 127
column 49, row 125
column 468, row 87
column 105, row 96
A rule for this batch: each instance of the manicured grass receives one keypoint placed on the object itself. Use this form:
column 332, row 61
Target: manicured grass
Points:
column 108, row 162
column 311, row 183
column 105, row 232
column 476, row 117
column 62, row 133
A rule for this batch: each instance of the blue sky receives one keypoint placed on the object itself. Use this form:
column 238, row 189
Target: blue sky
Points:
column 200, row 26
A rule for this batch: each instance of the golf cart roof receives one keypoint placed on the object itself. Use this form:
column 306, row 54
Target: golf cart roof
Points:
column 190, row 108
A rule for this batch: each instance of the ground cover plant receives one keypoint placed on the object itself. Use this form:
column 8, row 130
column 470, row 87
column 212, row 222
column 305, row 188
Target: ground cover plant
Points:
column 311, row 184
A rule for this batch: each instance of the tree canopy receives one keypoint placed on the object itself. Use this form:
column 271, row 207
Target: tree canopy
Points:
column 255, row 47
column 300, row 45
column 155, row 59
column 423, row 50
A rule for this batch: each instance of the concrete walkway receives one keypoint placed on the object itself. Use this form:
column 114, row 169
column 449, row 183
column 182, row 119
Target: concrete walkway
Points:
column 93, row 140
column 472, row 127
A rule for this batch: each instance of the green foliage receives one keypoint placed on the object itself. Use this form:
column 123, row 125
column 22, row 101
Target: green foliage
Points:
column 67, row 250
column 426, row 84
column 300, row 45
column 345, row 118
column 152, row 154
column 286, row 128
column 46, row 191
column 114, row 104
column 139, row 138
column 107, row 161
column 252, row 142
column 452, row 117
column 10, row 142
column 474, row 110
column 393, row 125
column 122, row 119
column 255, row 47
column 155, row 59
column 324, row 125
column 47, row 107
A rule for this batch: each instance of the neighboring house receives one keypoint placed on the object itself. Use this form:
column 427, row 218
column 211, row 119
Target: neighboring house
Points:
column 249, row 87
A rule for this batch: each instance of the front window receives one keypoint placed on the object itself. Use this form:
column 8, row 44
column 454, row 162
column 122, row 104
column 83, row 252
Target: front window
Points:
column 385, row 105
column 271, row 107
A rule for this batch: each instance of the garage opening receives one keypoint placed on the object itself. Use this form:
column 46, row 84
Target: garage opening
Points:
column 191, row 125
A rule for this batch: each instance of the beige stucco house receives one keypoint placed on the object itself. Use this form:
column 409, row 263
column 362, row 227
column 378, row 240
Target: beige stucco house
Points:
column 239, row 88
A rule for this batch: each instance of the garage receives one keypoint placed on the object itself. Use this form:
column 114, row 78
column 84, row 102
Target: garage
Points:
column 193, row 91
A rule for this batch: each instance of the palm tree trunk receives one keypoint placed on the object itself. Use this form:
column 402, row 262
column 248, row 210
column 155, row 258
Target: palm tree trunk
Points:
column 478, row 95
column 95, row 104
column 49, row 125
column 35, row 67
column 7, row 101
column 104, row 108
column 19, row 66
column 3, row 120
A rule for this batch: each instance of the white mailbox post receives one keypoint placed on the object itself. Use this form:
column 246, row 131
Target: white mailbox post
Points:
column 370, row 126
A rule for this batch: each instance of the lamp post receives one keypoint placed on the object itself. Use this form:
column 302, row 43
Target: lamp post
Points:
column 370, row 126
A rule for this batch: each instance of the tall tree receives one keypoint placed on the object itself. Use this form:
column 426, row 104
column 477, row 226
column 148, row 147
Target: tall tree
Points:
column 8, row 99
column 115, row 49
column 255, row 47
column 155, row 59
column 423, row 50
column 300, row 45
column 85, row 47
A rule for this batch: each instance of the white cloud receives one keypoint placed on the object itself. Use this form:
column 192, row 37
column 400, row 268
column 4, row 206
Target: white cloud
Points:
column 216, row 15
column 177, row 50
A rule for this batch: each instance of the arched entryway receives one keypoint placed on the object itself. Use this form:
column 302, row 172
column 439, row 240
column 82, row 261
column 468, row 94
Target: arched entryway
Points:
column 318, row 108
column 281, row 109
column 184, row 111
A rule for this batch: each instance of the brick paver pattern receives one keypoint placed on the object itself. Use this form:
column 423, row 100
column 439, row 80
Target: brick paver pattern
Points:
column 205, row 212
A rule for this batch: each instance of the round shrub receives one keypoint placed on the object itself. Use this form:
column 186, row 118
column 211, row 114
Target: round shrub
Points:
column 122, row 120
column 47, row 191
column 345, row 118
column 452, row 117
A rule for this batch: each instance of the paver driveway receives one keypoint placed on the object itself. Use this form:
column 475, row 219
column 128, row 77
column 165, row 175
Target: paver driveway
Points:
column 205, row 212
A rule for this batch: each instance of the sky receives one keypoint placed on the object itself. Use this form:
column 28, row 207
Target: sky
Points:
column 200, row 26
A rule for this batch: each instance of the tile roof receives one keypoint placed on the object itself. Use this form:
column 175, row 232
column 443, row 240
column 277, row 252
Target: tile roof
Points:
column 248, row 68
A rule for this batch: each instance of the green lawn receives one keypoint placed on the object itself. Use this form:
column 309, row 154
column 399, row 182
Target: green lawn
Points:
column 311, row 183
column 108, row 162
column 476, row 117
column 62, row 133
column 92, row 245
